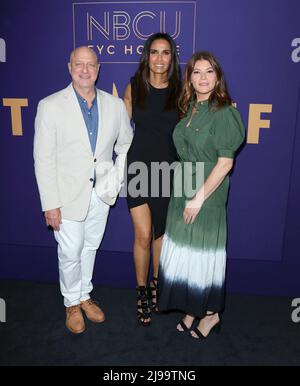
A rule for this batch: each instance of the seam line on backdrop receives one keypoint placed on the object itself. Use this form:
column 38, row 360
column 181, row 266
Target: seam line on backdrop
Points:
column 297, row 122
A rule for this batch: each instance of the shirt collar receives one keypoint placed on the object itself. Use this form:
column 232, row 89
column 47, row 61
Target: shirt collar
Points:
column 82, row 100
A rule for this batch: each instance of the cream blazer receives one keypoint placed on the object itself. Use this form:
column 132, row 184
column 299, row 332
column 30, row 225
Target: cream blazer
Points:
column 63, row 159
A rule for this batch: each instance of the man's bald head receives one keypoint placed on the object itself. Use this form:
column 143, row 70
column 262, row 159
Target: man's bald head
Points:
column 84, row 69
column 83, row 50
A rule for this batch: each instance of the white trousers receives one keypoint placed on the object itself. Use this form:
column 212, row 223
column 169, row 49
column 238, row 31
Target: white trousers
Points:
column 78, row 242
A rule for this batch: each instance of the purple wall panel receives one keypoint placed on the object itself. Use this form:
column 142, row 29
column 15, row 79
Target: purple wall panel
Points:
column 291, row 245
column 253, row 41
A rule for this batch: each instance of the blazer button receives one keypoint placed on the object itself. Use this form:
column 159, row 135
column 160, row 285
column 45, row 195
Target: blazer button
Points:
column 91, row 179
column 95, row 159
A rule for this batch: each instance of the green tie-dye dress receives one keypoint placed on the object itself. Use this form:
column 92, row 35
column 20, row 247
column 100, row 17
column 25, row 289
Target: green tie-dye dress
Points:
column 193, row 257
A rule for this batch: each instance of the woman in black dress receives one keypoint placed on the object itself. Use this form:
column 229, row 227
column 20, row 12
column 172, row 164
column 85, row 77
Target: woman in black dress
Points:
column 151, row 99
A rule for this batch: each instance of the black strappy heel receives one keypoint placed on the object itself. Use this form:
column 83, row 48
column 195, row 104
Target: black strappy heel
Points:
column 216, row 328
column 184, row 327
column 143, row 306
column 153, row 290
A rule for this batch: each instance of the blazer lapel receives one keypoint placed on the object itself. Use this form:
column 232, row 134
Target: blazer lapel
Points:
column 101, row 124
column 76, row 116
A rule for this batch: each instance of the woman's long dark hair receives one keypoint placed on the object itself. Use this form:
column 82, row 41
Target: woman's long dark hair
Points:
column 142, row 75
column 220, row 95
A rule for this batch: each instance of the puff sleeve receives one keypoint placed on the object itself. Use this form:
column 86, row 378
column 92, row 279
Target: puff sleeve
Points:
column 229, row 131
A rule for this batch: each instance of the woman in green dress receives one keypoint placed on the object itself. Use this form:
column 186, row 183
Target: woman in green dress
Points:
column 193, row 257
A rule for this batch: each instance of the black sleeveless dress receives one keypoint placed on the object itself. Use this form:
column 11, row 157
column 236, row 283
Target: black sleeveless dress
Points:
column 152, row 142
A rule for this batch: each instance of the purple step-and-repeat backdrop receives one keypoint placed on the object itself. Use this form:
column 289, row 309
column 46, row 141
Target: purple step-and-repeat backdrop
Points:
column 258, row 45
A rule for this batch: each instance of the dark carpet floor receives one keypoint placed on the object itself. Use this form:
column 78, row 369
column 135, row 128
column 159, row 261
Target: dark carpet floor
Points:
column 256, row 331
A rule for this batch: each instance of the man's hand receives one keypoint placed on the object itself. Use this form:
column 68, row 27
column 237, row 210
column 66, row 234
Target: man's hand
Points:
column 53, row 218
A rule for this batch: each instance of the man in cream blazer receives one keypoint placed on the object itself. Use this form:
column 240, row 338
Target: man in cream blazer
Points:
column 76, row 131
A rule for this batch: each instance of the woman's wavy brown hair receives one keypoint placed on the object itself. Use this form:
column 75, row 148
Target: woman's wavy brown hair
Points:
column 220, row 95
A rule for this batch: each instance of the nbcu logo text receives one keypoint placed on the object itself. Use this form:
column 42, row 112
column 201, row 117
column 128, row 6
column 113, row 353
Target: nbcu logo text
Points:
column 118, row 32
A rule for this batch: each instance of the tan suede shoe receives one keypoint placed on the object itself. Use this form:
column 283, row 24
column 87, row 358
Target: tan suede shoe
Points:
column 93, row 311
column 74, row 319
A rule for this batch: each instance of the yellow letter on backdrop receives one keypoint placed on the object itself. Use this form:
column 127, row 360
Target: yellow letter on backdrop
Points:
column 255, row 122
column 15, row 105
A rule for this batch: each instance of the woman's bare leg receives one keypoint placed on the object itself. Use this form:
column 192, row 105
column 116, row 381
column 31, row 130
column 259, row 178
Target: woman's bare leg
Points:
column 141, row 218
